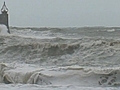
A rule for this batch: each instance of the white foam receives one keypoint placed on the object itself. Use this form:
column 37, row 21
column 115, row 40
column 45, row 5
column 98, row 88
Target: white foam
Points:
column 111, row 30
column 57, row 76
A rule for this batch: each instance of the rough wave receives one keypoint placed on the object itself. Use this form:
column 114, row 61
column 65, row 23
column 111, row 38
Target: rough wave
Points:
column 59, row 50
column 26, row 74
column 56, row 57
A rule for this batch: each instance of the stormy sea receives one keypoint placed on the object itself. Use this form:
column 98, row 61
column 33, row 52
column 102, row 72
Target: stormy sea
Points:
column 77, row 58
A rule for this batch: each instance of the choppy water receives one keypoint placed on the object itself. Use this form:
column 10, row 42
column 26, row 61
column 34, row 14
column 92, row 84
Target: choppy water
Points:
column 62, row 58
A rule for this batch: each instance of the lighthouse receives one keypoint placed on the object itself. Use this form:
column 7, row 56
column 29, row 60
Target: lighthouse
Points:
column 4, row 16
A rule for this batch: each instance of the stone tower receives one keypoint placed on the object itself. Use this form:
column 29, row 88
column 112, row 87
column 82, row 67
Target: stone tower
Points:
column 4, row 16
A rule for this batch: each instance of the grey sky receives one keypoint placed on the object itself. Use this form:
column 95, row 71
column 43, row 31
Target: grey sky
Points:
column 63, row 13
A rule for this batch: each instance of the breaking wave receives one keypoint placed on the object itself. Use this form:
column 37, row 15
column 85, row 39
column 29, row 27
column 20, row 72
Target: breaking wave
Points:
column 58, row 57
column 75, row 75
column 59, row 50
column 3, row 30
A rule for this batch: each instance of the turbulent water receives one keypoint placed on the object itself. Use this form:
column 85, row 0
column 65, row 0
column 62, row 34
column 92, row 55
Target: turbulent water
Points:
column 85, row 58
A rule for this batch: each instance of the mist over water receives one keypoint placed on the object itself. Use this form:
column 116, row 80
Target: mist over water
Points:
column 67, row 58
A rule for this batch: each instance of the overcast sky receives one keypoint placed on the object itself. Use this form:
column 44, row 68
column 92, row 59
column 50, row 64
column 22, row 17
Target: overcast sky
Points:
column 63, row 13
